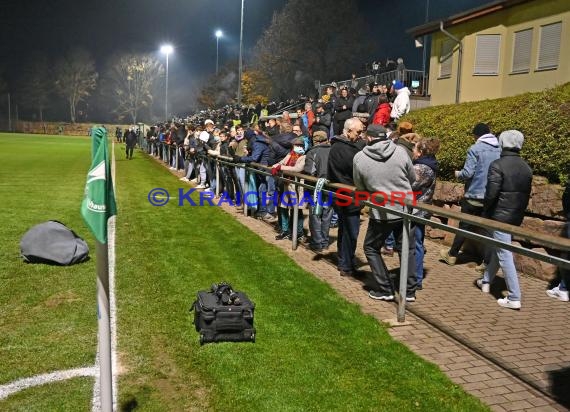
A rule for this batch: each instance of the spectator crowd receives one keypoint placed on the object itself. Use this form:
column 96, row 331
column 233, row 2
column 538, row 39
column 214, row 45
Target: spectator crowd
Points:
column 353, row 137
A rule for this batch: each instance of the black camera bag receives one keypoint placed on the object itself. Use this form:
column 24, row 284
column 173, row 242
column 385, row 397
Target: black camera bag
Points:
column 222, row 315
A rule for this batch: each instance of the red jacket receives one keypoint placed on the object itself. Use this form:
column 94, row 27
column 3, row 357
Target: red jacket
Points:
column 382, row 114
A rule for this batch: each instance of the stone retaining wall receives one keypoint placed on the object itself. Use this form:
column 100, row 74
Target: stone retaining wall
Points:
column 545, row 215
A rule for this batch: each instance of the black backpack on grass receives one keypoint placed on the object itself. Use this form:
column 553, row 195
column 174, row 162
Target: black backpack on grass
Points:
column 223, row 315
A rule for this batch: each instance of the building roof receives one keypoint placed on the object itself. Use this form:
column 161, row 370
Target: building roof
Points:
column 464, row 16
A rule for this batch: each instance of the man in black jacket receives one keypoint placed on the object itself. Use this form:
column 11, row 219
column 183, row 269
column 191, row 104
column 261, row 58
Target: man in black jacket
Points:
column 507, row 193
column 339, row 170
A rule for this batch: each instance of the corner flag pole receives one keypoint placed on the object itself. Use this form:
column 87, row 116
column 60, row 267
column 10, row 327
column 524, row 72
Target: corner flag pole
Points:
column 104, row 323
column 97, row 207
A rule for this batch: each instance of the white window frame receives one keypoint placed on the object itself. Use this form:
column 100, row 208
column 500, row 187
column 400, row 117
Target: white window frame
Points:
column 521, row 60
column 487, row 55
column 445, row 60
column 552, row 48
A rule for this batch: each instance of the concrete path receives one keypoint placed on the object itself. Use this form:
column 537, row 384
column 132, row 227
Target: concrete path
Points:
column 511, row 360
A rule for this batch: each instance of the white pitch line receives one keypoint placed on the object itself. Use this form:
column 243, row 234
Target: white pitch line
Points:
column 21, row 384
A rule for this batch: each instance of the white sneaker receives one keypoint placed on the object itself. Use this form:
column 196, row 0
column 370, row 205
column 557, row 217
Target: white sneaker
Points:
column 194, row 180
column 485, row 287
column 184, row 179
column 556, row 293
column 510, row 304
column 172, row 168
column 200, row 186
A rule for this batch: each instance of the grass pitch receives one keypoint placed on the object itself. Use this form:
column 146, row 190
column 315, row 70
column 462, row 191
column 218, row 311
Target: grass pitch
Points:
column 314, row 351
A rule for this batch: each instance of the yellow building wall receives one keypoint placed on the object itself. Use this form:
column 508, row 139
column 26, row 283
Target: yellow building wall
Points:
column 476, row 87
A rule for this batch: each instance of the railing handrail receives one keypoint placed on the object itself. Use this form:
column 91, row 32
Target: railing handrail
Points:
column 552, row 242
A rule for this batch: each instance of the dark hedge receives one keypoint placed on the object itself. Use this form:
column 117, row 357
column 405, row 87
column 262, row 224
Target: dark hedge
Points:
column 543, row 118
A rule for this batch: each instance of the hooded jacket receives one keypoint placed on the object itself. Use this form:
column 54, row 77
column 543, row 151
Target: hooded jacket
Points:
column 384, row 167
column 479, row 157
column 508, row 189
column 280, row 146
column 401, row 104
column 259, row 153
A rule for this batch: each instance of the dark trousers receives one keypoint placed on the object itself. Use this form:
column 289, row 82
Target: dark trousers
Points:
column 376, row 234
column 348, row 228
column 458, row 241
column 129, row 151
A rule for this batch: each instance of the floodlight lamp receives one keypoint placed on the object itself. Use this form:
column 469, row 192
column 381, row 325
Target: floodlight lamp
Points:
column 219, row 33
column 166, row 49
column 419, row 42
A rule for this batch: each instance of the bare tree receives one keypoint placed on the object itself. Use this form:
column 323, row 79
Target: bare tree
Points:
column 311, row 40
column 75, row 78
column 129, row 81
column 34, row 85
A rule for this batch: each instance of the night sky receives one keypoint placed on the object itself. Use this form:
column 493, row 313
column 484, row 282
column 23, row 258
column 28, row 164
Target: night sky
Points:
column 106, row 26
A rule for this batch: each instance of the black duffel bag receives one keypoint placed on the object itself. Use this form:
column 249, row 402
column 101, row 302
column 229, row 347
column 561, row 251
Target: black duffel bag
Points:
column 223, row 315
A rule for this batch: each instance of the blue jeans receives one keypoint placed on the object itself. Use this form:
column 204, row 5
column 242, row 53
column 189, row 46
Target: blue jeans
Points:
column 504, row 259
column 348, row 229
column 286, row 219
column 420, row 231
column 390, row 241
column 565, row 273
column 319, row 227
column 271, row 206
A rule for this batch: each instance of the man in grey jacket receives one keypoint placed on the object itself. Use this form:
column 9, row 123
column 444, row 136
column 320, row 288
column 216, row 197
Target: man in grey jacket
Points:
column 382, row 166
column 474, row 173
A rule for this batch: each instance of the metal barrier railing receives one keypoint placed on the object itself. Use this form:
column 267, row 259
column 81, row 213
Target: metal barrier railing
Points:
column 303, row 181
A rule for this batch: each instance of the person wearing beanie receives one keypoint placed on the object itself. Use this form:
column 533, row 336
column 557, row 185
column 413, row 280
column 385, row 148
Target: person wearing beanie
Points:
column 509, row 183
column 401, row 104
column 474, row 173
column 316, row 164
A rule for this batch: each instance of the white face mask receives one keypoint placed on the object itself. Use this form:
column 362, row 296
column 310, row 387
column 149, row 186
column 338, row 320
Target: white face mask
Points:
column 299, row 150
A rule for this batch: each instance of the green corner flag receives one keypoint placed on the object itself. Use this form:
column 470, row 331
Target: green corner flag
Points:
column 99, row 202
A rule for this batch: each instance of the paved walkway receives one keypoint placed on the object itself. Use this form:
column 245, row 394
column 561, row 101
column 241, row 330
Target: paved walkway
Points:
column 511, row 360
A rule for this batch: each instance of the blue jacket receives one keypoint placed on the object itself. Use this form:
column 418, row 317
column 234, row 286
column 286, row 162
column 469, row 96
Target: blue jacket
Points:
column 259, row 152
column 479, row 158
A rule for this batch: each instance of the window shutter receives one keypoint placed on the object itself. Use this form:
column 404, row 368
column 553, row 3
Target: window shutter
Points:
column 522, row 47
column 487, row 54
column 549, row 50
column 446, row 58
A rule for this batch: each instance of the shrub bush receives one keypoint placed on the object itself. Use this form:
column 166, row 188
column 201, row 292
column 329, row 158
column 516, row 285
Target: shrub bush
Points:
column 543, row 118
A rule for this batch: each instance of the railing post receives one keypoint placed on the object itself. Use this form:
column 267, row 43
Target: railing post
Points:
column 404, row 255
column 245, row 189
column 217, row 166
column 295, row 218
column 177, row 148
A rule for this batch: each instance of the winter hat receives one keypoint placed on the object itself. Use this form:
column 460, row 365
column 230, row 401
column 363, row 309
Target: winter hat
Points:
column 480, row 129
column 208, row 121
column 376, row 131
column 511, row 139
column 298, row 142
column 320, row 136
column 398, row 85
column 204, row 136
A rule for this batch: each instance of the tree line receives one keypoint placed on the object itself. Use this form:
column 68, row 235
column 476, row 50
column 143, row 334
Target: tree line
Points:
column 125, row 86
column 305, row 41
